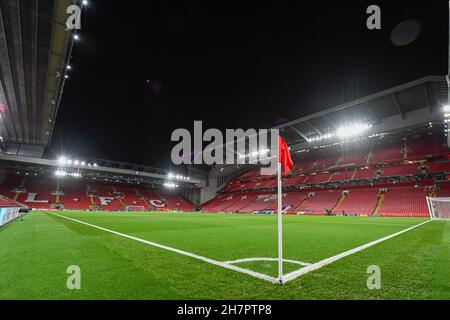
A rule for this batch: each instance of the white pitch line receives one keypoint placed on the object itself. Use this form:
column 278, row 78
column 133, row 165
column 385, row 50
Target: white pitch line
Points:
column 294, row 275
column 182, row 252
column 267, row 259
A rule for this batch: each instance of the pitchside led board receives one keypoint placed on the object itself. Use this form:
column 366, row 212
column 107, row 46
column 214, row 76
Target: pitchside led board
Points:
column 8, row 214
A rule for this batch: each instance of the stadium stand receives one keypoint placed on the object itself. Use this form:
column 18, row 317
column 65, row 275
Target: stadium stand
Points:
column 359, row 202
column 404, row 202
column 389, row 178
column 40, row 193
column 320, row 202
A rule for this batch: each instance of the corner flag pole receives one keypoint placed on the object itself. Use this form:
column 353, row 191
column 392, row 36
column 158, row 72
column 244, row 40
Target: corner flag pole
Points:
column 280, row 223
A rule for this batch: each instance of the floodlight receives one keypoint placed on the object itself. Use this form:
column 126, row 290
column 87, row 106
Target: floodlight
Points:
column 85, row 2
column 446, row 108
column 76, row 162
column 76, row 37
column 60, row 173
column 352, row 130
column 62, row 160
column 170, row 185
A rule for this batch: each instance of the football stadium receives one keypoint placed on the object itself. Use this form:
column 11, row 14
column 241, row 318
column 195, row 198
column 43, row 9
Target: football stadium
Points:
column 362, row 213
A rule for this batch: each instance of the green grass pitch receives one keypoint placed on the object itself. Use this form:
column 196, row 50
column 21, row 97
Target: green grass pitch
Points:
column 36, row 251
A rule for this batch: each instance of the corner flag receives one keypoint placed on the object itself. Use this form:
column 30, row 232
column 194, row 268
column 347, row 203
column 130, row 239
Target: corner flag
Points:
column 284, row 163
column 284, row 156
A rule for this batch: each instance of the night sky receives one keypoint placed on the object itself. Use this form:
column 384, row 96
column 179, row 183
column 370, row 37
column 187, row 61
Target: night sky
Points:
column 144, row 68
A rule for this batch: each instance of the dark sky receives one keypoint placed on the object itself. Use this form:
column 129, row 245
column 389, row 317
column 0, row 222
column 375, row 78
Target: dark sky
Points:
column 144, row 68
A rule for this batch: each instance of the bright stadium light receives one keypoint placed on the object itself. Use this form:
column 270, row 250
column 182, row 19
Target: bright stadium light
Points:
column 76, row 162
column 352, row 130
column 446, row 108
column 83, row 163
column 62, row 160
column 85, row 2
column 61, row 173
column 170, row 185
column 76, row 37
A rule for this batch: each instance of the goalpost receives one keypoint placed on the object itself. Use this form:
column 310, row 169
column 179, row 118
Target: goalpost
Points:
column 135, row 208
column 439, row 208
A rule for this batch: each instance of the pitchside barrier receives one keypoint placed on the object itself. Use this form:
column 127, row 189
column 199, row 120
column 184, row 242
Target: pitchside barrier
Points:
column 9, row 214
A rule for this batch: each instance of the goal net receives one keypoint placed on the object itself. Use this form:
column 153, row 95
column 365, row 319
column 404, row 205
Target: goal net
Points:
column 439, row 208
column 135, row 208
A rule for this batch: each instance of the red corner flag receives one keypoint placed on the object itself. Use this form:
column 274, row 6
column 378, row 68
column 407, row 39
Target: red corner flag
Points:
column 284, row 156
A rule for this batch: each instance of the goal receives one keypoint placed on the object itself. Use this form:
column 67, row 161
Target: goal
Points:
column 135, row 208
column 439, row 208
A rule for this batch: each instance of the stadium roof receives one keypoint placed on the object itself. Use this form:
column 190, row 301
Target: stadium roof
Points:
column 428, row 94
column 95, row 169
column 34, row 50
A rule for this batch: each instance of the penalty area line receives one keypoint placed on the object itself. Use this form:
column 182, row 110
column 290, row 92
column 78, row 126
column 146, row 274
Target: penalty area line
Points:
column 182, row 252
column 315, row 266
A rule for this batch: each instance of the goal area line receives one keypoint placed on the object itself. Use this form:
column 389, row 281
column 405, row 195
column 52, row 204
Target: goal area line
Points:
column 306, row 267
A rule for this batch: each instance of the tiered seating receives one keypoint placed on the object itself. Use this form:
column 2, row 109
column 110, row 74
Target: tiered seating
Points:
column 399, row 170
column 106, row 191
column 132, row 197
column 292, row 181
column 368, row 173
column 7, row 203
column 320, row 202
column 359, row 202
column 291, row 199
column 74, row 195
column 404, row 202
column 176, row 203
column 43, row 188
column 388, row 151
column 350, row 165
column 443, row 189
column 244, row 201
column 353, row 155
column 426, row 145
column 262, row 202
column 342, row 176
column 318, row 178
column 438, row 167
